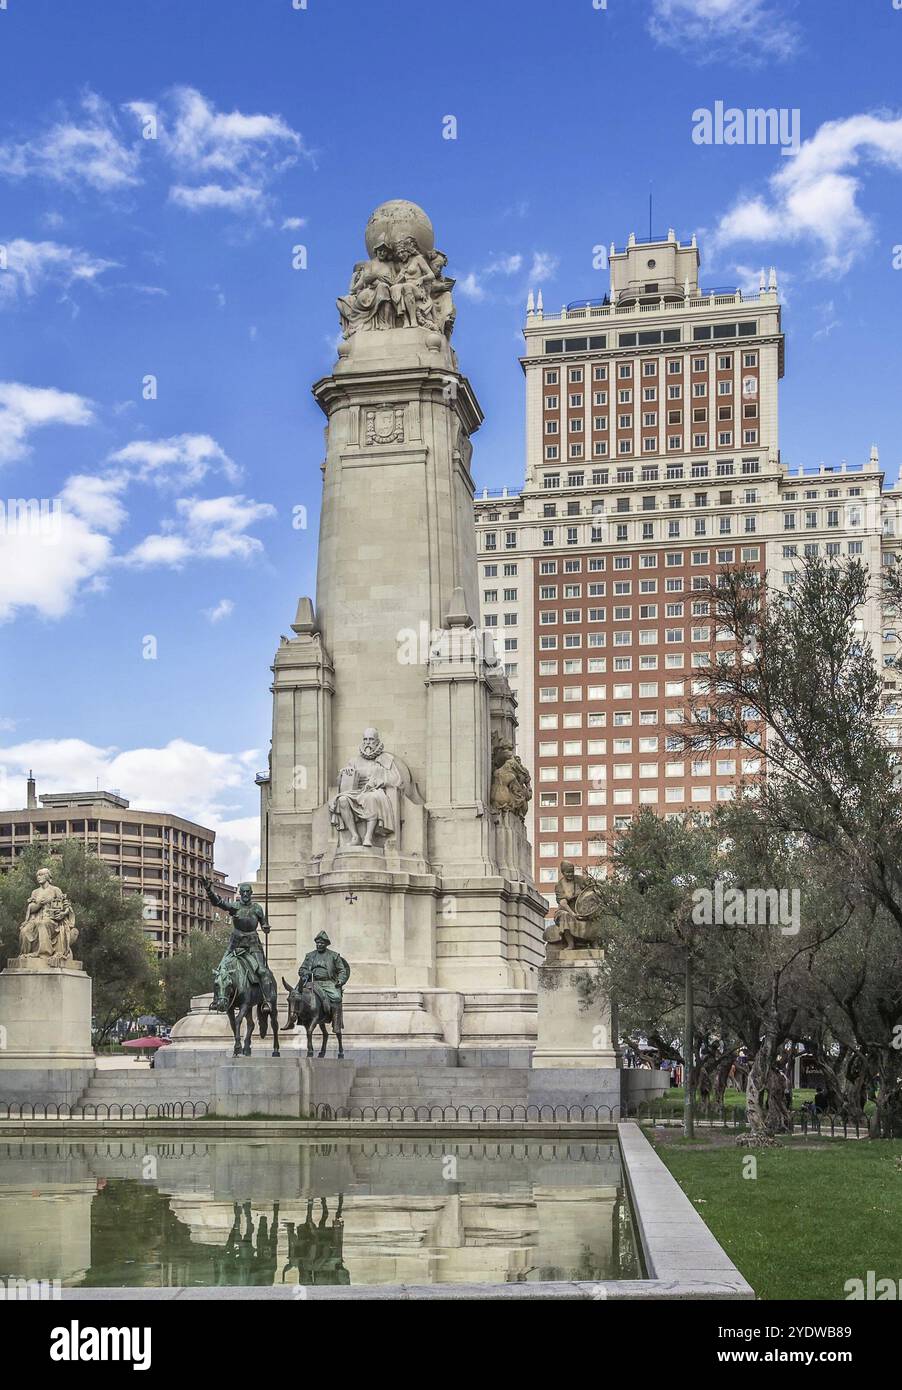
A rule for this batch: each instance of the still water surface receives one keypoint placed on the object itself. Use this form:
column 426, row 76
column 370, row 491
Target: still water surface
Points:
column 152, row 1213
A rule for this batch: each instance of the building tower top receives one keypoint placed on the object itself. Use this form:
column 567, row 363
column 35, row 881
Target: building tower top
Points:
column 649, row 270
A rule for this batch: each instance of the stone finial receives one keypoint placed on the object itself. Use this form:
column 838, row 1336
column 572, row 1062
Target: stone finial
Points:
column 772, row 279
column 305, row 618
column 762, row 281
column 875, row 454
column 540, row 308
column 458, row 614
column 530, row 304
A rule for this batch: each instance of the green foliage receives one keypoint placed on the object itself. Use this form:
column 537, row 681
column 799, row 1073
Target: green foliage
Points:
column 111, row 943
column 190, row 971
column 802, row 693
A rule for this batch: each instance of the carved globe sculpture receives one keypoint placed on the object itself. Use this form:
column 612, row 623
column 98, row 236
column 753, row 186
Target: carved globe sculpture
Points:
column 395, row 220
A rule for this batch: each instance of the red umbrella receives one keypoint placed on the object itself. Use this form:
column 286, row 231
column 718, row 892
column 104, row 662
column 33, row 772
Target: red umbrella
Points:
column 145, row 1042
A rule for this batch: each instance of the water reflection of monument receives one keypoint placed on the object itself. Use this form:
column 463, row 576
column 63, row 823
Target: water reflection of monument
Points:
column 255, row 1214
column 315, row 1247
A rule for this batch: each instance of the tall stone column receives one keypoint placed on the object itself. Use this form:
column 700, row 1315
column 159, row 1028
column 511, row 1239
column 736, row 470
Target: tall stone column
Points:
column 396, row 530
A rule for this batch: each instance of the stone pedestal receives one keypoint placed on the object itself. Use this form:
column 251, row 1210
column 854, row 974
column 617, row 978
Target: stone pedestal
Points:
column 576, row 1061
column 45, row 1031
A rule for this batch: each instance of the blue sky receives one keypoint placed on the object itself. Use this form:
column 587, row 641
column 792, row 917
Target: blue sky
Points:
column 125, row 257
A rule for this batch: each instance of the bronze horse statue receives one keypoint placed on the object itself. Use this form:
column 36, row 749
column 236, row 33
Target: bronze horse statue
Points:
column 240, row 1005
column 308, row 1008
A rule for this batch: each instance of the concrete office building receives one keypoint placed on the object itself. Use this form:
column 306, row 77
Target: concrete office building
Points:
column 652, row 461
column 158, row 857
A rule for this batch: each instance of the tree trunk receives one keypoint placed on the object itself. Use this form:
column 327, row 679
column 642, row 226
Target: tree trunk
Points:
column 779, row 1116
column 754, row 1099
column 689, row 1054
column 766, row 1108
column 887, row 1121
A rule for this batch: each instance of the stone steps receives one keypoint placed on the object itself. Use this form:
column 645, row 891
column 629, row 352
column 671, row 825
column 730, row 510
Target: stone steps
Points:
column 437, row 1086
column 147, row 1088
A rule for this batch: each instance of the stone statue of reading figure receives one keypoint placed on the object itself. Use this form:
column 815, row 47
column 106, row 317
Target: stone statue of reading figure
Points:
column 579, row 916
column 48, row 932
column 368, row 788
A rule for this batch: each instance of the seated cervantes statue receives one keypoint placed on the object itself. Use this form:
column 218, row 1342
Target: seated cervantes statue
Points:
column 511, row 784
column 48, row 931
column 366, row 804
column 578, row 918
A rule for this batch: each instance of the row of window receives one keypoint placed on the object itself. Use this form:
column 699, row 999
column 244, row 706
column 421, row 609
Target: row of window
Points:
column 700, row 607
column 650, row 473
column 576, row 423
column 571, row 535
column 649, row 796
column 598, row 747
column 653, row 337
column 624, row 370
column 623, row 613
column 649, row 395
column 651, row 445
column 625, row 772
column 652, row 502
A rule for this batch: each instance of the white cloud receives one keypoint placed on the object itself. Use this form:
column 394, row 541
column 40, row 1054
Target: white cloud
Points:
column 224, row 160
column 750, row 31
column 223, row 609
column 829, row 319
column 27, row 408
column 201, row 138
column 544, row 266
column 210, row 528
column 813, row 197
column 221, row 160
column 293, row 224
column 237, row 848
column 95, row 499
column 46, row 572
column 213, row 195
column 85, row 150
column 183, row 458
column 474, row 285
column 468, row 285
column 172, row 551
column 47, row 563
column 505, row 265
column 32, row 264
column 184, row 778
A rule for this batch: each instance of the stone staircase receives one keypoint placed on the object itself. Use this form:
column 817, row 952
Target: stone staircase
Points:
column 380, row 1087
column 158, row 1087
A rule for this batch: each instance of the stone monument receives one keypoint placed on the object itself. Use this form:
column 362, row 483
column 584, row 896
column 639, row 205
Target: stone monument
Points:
column 394, row 799
column 577, row 1059
column 45, row 1005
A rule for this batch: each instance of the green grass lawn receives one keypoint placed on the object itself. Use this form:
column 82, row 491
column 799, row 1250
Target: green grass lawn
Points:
column 815, row 1215
column 673, row 1098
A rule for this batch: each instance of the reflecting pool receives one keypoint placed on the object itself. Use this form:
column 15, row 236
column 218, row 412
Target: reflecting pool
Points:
column 158, row 1212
